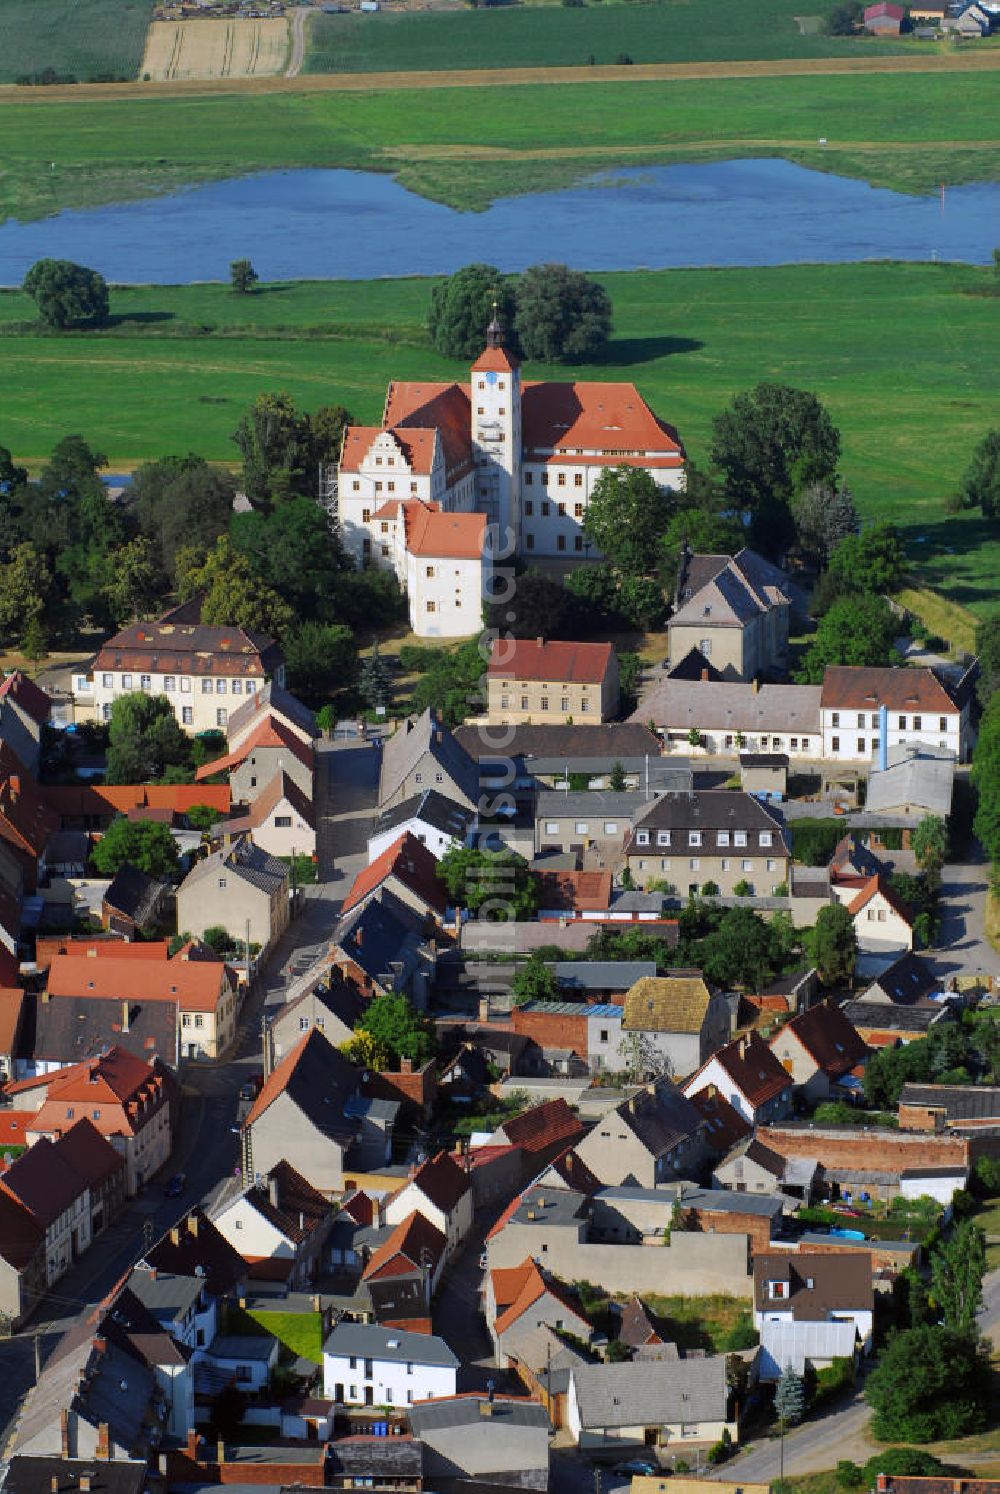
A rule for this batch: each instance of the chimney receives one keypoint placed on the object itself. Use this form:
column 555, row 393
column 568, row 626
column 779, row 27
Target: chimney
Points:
column 220, row 1452
column 192, row 1224
column 438, row 736
column 359, row 935
column 92, row 952
column 15, row 785
column 192, row 1442
column 84, row 1483
column 704, row 674
column 486, row 1408
column 103, row 1442
column 883, row 738
column 540, row 642
column 406, row 1065
column 175, row 1236
column 54, row 1484
column 100, row 1346
column 125, row 1014
column 64, row 1432
column 756, row 687
column 272, row 1191
column 45, row 997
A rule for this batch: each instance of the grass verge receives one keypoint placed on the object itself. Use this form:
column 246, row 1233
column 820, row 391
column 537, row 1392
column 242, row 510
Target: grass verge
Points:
column 945, row 619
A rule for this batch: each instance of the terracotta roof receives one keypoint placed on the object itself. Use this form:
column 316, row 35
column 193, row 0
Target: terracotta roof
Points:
column 667, row 1003
column 26, row 820
column 450, row 536
column 14, row 1127
column 612, row 420
column 20, row 1236
column 428, row 406
column 299, row 1209
column 112, row 1076
column 281, row 788
column 177, row 644
column 26, row 695
column 531, row 1286
column 752, row 1067
column 828, row 1036
column 43, row 1181
column 495, row 360
column 411, row 863
column 575, row 890
column 901, row 689
column 441, row 1180
column 884, row 8
column 406, row 1249
column 533, row 659
column 270, row 700
column 271, row 732
column 105, row 799
column 725, row 1124
column 542, row 1127
column 104, row 947
column 415, row 444
column 876, row 885
column 89, row 1154
column 195, row 985
column 11, row 1007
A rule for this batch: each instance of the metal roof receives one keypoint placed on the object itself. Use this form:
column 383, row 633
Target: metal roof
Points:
column 370, row 1341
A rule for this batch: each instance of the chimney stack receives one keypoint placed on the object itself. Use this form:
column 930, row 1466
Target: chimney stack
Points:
column 64, row 1432
column 103, row 1442
column 704, row 675
column 272, row 1191
column 84, row 1483
column 100, row 1345
column 54, row 1484
column 756, row 687
column 125, row 1016
column 192, row 1224
column 175, row 1236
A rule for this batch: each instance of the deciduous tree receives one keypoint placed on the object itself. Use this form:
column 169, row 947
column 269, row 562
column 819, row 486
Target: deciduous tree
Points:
column 144, row 739
column 320, row 658
column 856, row 630
column 497, row 885
column 146, row 844
column 181, row 502
column 958, row 1266
column 67, row 294
column 242, row 275
column 562, row 315
column 627, row 518
column 406, row 1033
column 929, row 1383
column 980, row 486
column 930, row 845
column 232, row 593
column 834, row 945
column 275, row 443
column 25, row 588
column 872, row 561
column 462, row 307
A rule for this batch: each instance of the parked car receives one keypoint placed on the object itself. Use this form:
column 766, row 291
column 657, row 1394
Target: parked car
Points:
column 635, row 1466
column 176, row 1185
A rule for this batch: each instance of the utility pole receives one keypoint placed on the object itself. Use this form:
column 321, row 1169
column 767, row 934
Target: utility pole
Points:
column 38, row 1356
column 247, row 946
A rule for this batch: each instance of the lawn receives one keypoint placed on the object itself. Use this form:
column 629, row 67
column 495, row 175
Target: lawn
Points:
column 101, row 40
column 911, row 131
column 557, row 36
column 699, row 1322
column 905, row 356
column 300, row 1332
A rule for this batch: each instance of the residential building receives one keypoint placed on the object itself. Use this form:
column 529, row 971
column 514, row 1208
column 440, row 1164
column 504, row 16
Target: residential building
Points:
column 882, row 921
column 764, row 774
column 885, row 1025
column 884, row 18
column 415, row 1251
column 728, row 718
column 916, row 781
column 542, row 1134
column 866, row 709
column 365, row 1364
column 240, row 888
column 269, row 749
column 734, row 611
column 423, row 754
column 575, row 1036
column 277, row 704
column 57, row 1475
column 26, row 821
column 333, row 1006
column 443, row 561
column 280, row 820
column 133, row 902
column 205, row 670
column 651, row 1138
column 726, row 1126
column 589, row 824
column 949, row 1107
column 818, row 1048
column 520, row 1305
column 430, row 817
column 812, row 1308
column 194, row 1248
column 546, row 754
column 873, row 1160
column 493, row 1441
column 645, row 1404
column 908, row 981
column 393, row 1463
column 536, row 681
column 93, row 806
column 678, row 1020
column 712, row 836
column 24, row 711
column 23, row 1260
column 752, row 1167
column 280, row 1227
column 441, row 1190
column 201, row 992
column 102, row 1167
column 381, row 946
column 749, row 1076
column 12, row 1011
column 64, row 1030
column 408, row 871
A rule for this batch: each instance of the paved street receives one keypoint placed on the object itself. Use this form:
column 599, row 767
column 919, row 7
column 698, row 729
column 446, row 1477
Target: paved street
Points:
column 964, row 945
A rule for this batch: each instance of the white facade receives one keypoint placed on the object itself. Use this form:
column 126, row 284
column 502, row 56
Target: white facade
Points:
column 387, row 473
column 933, row 1185
column 879, row 928
column 454, row 1225
column 715, row 1073
column 251, row 1234
column 446, row 594
column 730, row 743
column 360, row 1380
column 199, row 703
column 437, row 841
column 856, row 736
column 554, row 500
column 774, row 1312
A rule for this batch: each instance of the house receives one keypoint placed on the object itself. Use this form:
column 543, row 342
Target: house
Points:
column 245, row 1360
column 93, row 806
column 972, row 22
column 574, row 1036
column 787, row 993
column 646, row 1404
column 654, row 1136
column 443, row 561
column 26, row 821
column 727, row 718
column 390, row 1463
column 194, row 1248
column 441, row 1191
column 430, row 817
column 280, row 820
column 867, row 711
column 949, row 1107
column 885, row 1025
column 56, row 1199
column 270, row 748
column 753, row 1167
column 812, row 1308
column 414, row 1251
column 489, row 1441
column 23, row 1260
column 734, row 611
column 818, row 1048
column 521, row 1304
column 101, row 1166
column 205, row 670
column 595, row 822
column 872, row 1161
column 332, row 1006
column 381, row 946
column 24, row 711
column 423, row 754
column 277, row 704
column 884, row 18
column 542, row 1133
column 749, row 1076
column 365, row 1364
column 545, row 754
column 537, row 681
column 916, row 781
column 63, row 1030
column 57, row 1475
column 240, row 888
column 933, row 11
column 280, row 1227
column 883, row 923
column 725, row 1125
column 132, row 903
column 908, row 981
column 711, row 836
column 202, row 994
column 574, row 894
column 599, row 980
column 764, row 774
column 677, row 1020
column 635, row 1326
column 527, row 455
column 128, row 1101
column 310, row 1113
column 407, row 870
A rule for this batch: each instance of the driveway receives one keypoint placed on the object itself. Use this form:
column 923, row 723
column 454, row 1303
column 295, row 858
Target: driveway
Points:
column 816, row 1445
column 963, row 945
column 347, row 798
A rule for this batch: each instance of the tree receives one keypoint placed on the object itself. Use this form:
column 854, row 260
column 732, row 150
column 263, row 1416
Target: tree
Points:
column 627, row 518
column 243, row 276
column 834, row 945
column 856, row 630
column 616, row 778
column 742, row 951
column 275, row 443
column 366, row 1051
column 824, row 516
column 232, row 593
column 843, row 19
column 541, row 607
column 67, row 294
column 769, row 444
column 930, row 1383
column 562, row 315
column 874, row 561
column 641, row 601
column 980, row 486
column 326, row 429
column 293, row 549
column 374, row 680
column 134, row 585
column 462, row 306
column 789, row 1398
column 986, row 780
column 202, row 817
column 988, row 653
column 144, row 739
column 595, row 589
column 181, row 503
column 25, row 587
column 146, row 844
column 643, row 1059
column 404, row 1032
column 534, row 980
column 930, row 844
column 706, row 533
column 320, row 658
column 497, row 885
column 958, row 1266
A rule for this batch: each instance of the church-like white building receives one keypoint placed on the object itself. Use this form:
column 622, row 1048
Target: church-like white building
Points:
column 418, row 493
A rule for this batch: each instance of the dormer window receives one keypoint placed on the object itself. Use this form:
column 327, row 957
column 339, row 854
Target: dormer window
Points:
column 642, row 837
column 777, row 1291
column 663, row 837
column 694, row 837
column 765, row 837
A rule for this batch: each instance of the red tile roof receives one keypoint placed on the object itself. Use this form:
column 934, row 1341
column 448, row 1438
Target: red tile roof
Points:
column 753, row 1068
column 725, row 1124
column 610, row 419
column 415, row 444
column 495, row 360
column 48, row 946
column 11, row 1006
column 270, row 733
column 531, row 1286
column 430, row 406
column 413, row 1243
column 277, row 1079
column 577, row 891
column 14, row 1127
column 177, row 643
column 829, row 1037
column 876, row 885
column 195, row 985
column 125, row 1090
column 903, row 689
column 410, row 862
column 884, row 8
column 73, row 800
column 26, row 820
column 29, row 697
column 529, row 659
column 544, row 1126
column 441, row 1180
column 89, row 1153
column 450, row 536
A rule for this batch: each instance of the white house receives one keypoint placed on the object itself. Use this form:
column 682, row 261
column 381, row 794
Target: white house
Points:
column 441, row 1191
column 431, row 817
column 882, row 922
column 747, row 1074
column 865, row 712
column 812, row 1308
column 367, row 1365
column 243, row 1360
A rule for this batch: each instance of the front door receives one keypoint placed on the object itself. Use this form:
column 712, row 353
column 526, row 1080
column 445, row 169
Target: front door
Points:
column 369, row 1395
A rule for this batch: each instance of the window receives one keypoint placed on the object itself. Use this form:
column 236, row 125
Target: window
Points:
column 777, row 1290
column 185, row 1020
column 874, row 744
column 585, row 706
column 746, row 865
column 765, row 837
column 561, row 510
column 564, row 703
column 725, row 863
column 206, row 687
column 366, row 515
column 69, row 1113
column 237, row 687
column 772, row 865
column 561, row 542
column 251, row 687
column 902, row 723
column 303, row 1024
column 105, row 713
column 705, row 644
column 835, row 719
column 610, row 827
column 145, row 682
column 283, row 821
column 861, row 720
column 578, row 479
column 581, row 827
column 221, row 716
column 942, row 723
column 918, row 723
column 695, row 863
column 524, row 702
column 722, row 838
column 694, row 837
column 529, row 478
column 126, row 682
column 578, row 510
column 881, row 915
column 529, row 508
column 222, row 881
column 578, row 542
column 834, row 744
column 355, row 486
column 505, row 702
column 794, row 744
column 199, row 1020
column 561, row 480
column 662, row 837
column 552, row 827
column 431, row 606
column 187, row 716
column 861, row 744
column 642, row 837
column 805, row 743
column 186, row 687
column 108, row 680
column 739, row 837
column 545, row 702
column 384, row 527
column 529, row 541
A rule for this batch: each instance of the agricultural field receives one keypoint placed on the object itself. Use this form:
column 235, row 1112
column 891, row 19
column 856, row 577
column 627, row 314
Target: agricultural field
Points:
column 909, row 130
column 905, row 356
column 230, row 48
column 95, row 41
column 558, row 36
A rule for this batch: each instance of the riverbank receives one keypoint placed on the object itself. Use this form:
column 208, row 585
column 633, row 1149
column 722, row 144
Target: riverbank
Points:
column 905, row 356
column 907, row 129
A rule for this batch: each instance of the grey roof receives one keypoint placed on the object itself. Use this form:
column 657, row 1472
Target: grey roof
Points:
column 384, row 938
column 661, row 1119
column 431, row 807
column 652, row 1392
column 71, row 1028
column 34, row 1475
column 278, row 699
column 635, row 901
column 601, row 975
column 958, row 1101
column 134, row 894
column 100, row 1386
column 393, row 1457
column 722, row 1199
column 906, row 980
column 243, row 1346
column 561, row 1208
column 925, row 780
column 955, row 1171
column 786, row 985
column 677, row 705
column 369, row 1341
column 319, row 1083
column 891, row 1017
column 244, row 860
column 555, row 804
column 464, row 1411
column 404, row 749
column 763, row 760
column 712, row 810
column 629, row 743
column 165, row 1294
column 575, row 1008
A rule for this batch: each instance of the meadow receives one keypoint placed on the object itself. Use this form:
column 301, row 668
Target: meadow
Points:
column 559, row 36
column 101, row 39
column 910, row 131
column 906, row 357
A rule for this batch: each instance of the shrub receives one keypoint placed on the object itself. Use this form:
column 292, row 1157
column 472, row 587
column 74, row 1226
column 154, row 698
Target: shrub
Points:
column 710, row 889
column 742, row 888
column 849, row 1475
column 902, row 1462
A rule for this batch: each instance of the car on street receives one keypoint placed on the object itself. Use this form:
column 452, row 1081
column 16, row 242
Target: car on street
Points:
column 176, row 1185
column 635, row 1466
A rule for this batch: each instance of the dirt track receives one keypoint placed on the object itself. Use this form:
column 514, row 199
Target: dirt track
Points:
column 987, row 60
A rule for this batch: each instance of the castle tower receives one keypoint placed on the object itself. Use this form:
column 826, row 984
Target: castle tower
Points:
column 496, row 432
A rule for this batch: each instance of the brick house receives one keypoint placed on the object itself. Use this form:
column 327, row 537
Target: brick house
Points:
column 538, row 681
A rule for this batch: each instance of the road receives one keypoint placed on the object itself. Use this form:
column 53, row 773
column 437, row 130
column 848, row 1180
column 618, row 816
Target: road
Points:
column 963, row 945
column 298, row 51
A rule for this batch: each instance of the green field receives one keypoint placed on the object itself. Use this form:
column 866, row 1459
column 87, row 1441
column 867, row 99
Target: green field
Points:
column 557, row 36
column 466, row 148
column 906, row 356
column 90, row 42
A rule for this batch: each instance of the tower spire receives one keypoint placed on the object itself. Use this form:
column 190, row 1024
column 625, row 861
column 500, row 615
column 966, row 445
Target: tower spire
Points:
column 495, row 336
